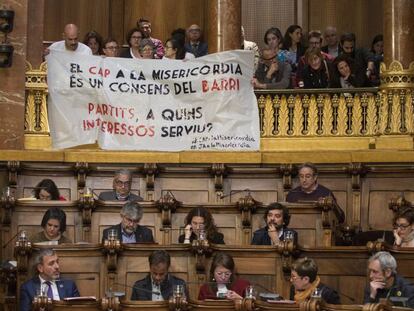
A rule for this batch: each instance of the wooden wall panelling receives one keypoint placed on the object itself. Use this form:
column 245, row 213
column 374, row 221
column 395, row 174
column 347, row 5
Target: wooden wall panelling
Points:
column 364, row 18
column 87, row 14
column 379, row 191
column 165, row 16
column 342, row 268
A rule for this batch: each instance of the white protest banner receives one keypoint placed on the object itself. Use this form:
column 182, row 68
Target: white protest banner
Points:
column 161, row 105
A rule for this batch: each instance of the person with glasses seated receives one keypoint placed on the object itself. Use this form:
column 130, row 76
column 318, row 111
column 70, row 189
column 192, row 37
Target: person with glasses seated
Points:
column 271, row 73
column 404, row 228
column 223, row 282
column 306, row 283
column 129, row 230
column 122, row 188
column 111, row 48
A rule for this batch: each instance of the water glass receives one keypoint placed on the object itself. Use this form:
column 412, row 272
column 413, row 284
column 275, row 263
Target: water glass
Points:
column 317, row 293
column 112, row 235
column 250, row 292
column 178, row 291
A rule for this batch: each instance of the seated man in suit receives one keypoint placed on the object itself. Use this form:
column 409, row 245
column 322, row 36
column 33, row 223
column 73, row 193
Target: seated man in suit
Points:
column 47, row 281
column 305, row 280
column 122, row 188
column 385, row 282
column 129, row 230
column 310, row 190
column 159, row 283
column 277, row 220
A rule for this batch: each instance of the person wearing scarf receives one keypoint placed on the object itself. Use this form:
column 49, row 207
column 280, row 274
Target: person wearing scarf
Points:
column 305, row 280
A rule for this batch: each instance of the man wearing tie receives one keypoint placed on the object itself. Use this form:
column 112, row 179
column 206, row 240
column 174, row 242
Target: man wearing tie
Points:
column 47, row 281
column 195, row 45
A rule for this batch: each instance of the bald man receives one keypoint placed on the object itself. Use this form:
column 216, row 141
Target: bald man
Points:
column 70, row 42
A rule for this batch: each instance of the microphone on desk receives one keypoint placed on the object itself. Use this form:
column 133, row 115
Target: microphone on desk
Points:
column 139, row 288
column 12, row 238
column 234, row 192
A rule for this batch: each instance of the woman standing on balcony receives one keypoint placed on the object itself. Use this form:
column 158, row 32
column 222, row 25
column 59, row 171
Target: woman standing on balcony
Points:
column 316, row 72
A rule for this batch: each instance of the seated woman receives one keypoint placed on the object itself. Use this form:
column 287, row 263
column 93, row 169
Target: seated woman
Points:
column 197, row 218
column 277, row 220
column 54, row 225
column 346, row 75
column 404, row 228
column 222, row 282
column 47, row 190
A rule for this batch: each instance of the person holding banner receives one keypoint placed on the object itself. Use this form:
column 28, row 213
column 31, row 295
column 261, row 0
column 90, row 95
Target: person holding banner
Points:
column 70, row 42
column 173, row 49
column 147, row 49
column 111, row 48
column 145, row 26
column 134, row 37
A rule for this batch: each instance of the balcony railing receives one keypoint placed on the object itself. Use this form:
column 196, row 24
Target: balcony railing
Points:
column 294, row 113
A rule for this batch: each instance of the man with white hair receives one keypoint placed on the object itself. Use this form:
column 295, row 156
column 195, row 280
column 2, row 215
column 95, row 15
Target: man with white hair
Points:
column 332, row 46
column 70, row 42
column 385, row 282
column 129, row 230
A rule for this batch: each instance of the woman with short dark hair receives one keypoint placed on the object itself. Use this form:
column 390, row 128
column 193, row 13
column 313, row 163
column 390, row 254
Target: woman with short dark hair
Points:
column 54, row 225
column 223, row 282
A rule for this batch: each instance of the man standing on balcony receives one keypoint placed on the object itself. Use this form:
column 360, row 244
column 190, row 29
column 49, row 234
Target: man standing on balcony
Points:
column 122, row 188
column 70, row 42
column 145, row 26
column 310, row 190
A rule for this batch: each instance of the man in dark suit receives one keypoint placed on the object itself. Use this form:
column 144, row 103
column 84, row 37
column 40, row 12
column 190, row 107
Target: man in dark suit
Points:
column 277, row 219
column 129, row 230
column 47, row 281
column 195, row 45
column 158, row 285
column 122, row 188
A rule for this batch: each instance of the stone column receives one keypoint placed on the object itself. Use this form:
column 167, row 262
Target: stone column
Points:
column 224, row 23
column 396, row 124
column 12, row 86
column 35, row 32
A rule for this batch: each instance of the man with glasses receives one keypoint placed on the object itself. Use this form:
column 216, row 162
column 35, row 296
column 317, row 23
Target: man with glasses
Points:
column 195, row 45
column 385, row 282
column 122, row 188
column 306, row 283
column 310, row 190
column 129, row 230
column 271, row 73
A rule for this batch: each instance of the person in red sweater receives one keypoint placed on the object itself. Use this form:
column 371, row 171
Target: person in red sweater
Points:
column 223, row 282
